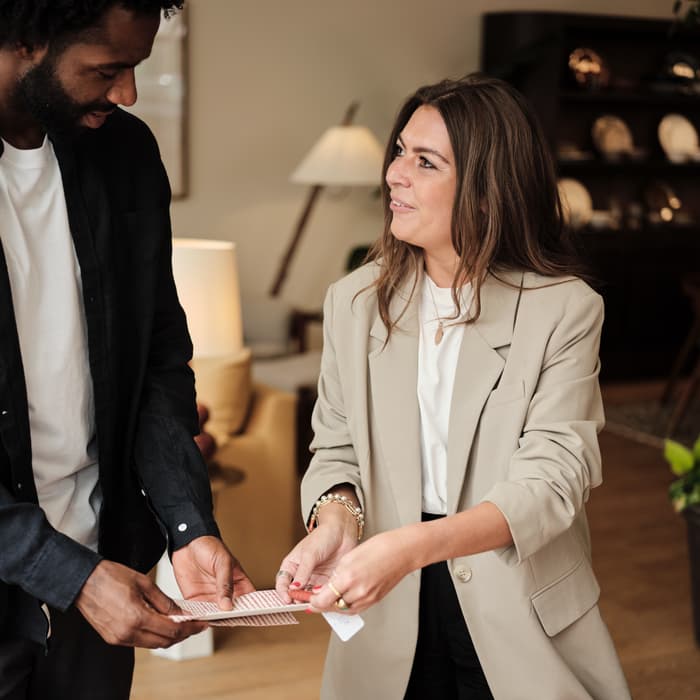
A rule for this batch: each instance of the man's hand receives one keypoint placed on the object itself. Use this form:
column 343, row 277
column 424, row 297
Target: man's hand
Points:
column 128, row 609
column 206, row 570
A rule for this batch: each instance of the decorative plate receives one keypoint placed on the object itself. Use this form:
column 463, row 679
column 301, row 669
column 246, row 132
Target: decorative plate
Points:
column 612, row 137
column 678, row 137
column 588, row 68
column 576, row 202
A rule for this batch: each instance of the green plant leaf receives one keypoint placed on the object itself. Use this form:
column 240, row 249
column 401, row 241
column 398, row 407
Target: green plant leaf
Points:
column 694, row 497
column 679, row 457
column 696, row 450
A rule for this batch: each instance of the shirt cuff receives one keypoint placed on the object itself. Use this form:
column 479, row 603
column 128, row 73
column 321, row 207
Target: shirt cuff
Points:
column 60, row 571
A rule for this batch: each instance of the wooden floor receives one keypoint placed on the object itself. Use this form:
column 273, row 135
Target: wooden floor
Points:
column 639, row 552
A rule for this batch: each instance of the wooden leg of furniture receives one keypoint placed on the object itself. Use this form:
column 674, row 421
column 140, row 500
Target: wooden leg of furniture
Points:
column 684, row 400
column 690, row 341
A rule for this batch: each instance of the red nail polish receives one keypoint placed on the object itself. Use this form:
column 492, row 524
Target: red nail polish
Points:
column 295, row 584
column 308, row 611
column 317, row 588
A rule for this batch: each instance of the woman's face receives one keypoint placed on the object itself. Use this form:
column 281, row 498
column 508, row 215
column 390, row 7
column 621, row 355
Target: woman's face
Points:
column 422, row 180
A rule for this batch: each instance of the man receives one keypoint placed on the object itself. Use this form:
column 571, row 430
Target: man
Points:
column 98, row 468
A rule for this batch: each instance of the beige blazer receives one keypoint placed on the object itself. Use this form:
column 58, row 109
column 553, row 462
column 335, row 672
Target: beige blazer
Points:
column 526, row 410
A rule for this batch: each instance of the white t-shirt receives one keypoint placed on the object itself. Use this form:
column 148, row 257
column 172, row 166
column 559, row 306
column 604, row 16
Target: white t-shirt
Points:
column 48, row 305
column 437, row 364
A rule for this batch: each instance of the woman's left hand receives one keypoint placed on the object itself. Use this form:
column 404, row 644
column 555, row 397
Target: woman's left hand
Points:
column 366, row 574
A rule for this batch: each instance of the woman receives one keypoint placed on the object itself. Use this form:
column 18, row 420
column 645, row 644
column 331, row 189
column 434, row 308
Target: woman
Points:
column 457, row 421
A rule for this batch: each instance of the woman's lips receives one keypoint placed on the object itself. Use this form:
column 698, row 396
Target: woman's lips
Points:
column 400, row 207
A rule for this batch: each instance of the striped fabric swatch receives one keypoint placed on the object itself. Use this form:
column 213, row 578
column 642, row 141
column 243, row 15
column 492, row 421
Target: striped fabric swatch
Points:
column 257, row 609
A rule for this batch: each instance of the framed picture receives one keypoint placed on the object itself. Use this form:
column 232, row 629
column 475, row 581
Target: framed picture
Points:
column 161, row 81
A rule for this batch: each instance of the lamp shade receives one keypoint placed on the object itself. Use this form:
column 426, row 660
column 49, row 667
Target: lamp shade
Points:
column 344, row 155
column 206, row 277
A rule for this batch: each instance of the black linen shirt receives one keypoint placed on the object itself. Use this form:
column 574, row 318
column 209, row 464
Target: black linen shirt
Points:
column 154, row 483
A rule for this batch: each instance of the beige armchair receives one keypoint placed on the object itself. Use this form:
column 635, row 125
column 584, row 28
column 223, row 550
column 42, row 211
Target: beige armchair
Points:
column 254, row 427
column 259, row 518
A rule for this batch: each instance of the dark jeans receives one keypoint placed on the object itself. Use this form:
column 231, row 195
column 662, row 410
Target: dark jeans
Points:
column 445, row 666
column 79, row 665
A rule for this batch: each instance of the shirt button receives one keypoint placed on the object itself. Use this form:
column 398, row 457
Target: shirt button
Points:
column 3, row 413
column 19, row 486
column 143, row 493
column 463, row 573
column 182, row 527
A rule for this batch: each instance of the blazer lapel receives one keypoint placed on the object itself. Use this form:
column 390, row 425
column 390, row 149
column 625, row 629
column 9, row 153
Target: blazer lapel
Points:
column 478, row 369
column 393, row 372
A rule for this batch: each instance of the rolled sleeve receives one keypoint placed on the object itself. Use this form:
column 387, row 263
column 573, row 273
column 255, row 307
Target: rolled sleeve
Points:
column 558, row 458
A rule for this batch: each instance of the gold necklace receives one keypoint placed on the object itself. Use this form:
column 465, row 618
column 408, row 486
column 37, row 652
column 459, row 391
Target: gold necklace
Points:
column 440, row 330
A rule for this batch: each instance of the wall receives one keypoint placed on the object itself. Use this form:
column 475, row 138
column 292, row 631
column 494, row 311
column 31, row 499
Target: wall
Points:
column 267, row 77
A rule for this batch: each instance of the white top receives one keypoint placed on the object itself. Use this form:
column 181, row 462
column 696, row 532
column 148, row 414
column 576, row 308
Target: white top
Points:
column 47, row 300
column 436, row 375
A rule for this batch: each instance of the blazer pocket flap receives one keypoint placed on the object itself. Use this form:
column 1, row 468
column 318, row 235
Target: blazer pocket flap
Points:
column 504, row 394
column 563, row 602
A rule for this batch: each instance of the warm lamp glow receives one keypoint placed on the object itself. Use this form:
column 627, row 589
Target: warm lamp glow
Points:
column 344, row 155
column 206, row 277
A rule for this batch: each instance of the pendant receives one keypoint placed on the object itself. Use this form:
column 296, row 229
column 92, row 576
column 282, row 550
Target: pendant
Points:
column 439, row 333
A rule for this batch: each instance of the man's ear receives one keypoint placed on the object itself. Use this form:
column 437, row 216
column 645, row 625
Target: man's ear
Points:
column 32, row 54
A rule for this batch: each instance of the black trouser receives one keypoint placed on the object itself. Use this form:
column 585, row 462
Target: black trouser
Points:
column 79, row 665
column 445, row 666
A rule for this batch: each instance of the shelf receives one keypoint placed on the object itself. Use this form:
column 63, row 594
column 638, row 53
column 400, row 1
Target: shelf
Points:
column 647, row 238
column 629, row 97
column 638, row 272
column 644, row 167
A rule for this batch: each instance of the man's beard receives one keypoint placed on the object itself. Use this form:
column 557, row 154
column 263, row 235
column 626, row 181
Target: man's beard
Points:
column 42, row 95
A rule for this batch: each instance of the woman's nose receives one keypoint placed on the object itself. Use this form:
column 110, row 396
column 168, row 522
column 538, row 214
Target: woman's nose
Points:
column 396, row 173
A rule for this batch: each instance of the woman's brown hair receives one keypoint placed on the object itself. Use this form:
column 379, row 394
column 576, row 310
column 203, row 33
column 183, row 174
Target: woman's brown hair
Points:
column 506, row 215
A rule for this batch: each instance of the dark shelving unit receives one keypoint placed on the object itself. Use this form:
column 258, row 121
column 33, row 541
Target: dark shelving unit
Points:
column 637, row 269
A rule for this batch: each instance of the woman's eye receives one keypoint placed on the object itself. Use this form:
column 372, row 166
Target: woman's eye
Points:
column 425, row 163
column 398, row 150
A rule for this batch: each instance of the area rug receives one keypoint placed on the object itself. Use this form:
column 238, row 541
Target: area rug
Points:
column 645, row 421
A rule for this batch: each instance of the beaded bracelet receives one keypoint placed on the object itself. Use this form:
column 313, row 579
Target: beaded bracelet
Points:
column 344, row 501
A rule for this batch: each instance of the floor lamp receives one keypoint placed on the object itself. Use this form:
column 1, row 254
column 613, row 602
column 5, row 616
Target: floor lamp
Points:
column 345, row 155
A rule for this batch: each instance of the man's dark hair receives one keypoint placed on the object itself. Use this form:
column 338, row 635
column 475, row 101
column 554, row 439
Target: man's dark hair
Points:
column 34, row 23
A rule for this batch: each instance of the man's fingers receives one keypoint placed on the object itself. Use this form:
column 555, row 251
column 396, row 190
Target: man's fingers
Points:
column 157, row 599
column 224, row 582
column 152, row 640
column 163, row 626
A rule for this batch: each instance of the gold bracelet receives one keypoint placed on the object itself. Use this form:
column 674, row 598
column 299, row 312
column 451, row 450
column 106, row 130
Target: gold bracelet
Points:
column 344, row 501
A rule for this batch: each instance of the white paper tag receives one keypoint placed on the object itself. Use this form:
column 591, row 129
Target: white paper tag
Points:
column 345, row 626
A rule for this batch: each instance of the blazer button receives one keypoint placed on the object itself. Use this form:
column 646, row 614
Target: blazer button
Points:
column 463, row 573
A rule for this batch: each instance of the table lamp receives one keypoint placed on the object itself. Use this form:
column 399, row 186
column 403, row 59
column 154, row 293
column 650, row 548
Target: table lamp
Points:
column 206, row 277
column 345, row 155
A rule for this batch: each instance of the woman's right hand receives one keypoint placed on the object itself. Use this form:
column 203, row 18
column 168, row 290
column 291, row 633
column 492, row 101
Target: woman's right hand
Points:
column 314, row 558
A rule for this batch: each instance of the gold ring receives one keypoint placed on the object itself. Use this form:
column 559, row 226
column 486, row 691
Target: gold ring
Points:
column 341, row 604
column 334, row 589
column 282, row 572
